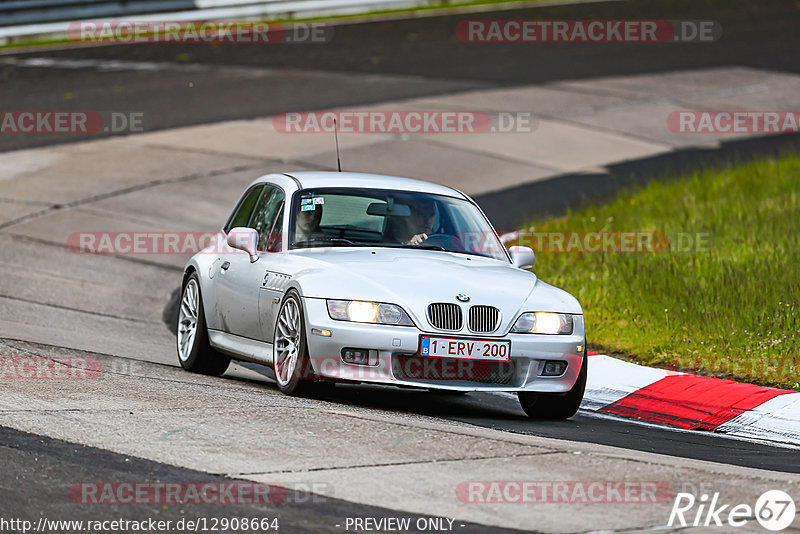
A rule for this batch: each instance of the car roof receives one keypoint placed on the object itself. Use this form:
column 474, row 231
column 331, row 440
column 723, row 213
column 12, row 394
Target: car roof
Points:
column 318, row 179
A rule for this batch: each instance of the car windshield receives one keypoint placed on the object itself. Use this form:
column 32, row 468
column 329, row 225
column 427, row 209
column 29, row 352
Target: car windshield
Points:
column 403, row 219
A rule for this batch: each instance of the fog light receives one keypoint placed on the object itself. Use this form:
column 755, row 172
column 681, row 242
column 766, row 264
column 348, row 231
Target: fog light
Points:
column 356, row 356
column 553, row 368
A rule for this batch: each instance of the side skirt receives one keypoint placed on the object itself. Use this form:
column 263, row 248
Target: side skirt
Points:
column 241, row 348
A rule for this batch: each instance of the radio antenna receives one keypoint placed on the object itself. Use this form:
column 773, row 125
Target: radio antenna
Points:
column 336, row 136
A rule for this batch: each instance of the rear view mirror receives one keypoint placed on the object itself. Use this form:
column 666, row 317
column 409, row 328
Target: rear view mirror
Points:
column 382, row 209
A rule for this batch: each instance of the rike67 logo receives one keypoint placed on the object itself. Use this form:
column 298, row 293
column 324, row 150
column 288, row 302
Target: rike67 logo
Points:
column 774, row 510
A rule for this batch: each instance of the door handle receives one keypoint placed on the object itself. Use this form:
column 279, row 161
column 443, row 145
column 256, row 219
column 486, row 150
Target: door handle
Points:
column 225, row 266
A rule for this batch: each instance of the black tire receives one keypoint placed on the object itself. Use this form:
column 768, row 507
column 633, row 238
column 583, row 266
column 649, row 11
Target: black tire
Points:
column 556, row 406
column 304, row 382
column 203, row 358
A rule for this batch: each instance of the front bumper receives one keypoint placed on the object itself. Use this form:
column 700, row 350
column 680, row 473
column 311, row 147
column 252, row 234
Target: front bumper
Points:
column 394, row 357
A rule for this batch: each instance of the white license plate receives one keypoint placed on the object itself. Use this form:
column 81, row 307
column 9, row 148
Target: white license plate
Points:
column 470, row 349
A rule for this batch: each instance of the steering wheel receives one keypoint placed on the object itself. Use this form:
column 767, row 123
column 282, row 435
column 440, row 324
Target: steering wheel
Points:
column 446, row 241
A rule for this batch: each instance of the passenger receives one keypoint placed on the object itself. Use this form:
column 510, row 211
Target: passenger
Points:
column 307, row 225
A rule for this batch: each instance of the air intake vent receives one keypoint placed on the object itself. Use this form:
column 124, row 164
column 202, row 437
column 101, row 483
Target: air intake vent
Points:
column 483, row 319
column 445, row 316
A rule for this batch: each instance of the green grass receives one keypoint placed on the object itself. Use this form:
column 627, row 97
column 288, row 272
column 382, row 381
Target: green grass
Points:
column 730, row 308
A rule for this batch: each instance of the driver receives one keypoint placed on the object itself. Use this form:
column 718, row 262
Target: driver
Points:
column 414, row 229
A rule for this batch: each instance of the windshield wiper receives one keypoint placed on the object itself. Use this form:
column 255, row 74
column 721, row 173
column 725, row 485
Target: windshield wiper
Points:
column 334, row 240
column 424, row 247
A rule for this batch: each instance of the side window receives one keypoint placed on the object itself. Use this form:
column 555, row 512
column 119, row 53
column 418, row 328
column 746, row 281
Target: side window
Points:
column 241, row 215
column 275, row 242
column 267, row 219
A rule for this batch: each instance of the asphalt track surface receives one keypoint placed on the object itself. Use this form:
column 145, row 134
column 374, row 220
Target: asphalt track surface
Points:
column 39, row 471
column 367, row 63
column 185, row 84
column 502, row 412
column 380, row 61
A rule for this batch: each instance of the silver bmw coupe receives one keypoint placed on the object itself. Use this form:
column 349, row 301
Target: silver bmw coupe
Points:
column 333, row 277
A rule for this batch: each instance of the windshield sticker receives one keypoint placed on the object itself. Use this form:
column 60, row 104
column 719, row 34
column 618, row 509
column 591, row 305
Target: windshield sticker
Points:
column 308, row 207
column 319, row 200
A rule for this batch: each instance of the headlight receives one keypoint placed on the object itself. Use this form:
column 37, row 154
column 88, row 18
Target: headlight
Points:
column 360, row 311
column 543, row 323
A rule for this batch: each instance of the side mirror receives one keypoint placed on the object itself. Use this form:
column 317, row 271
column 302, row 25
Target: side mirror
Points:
column 522, row 257
column 244, row 239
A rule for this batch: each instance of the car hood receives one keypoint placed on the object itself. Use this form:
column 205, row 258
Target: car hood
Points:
column 415, row 278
